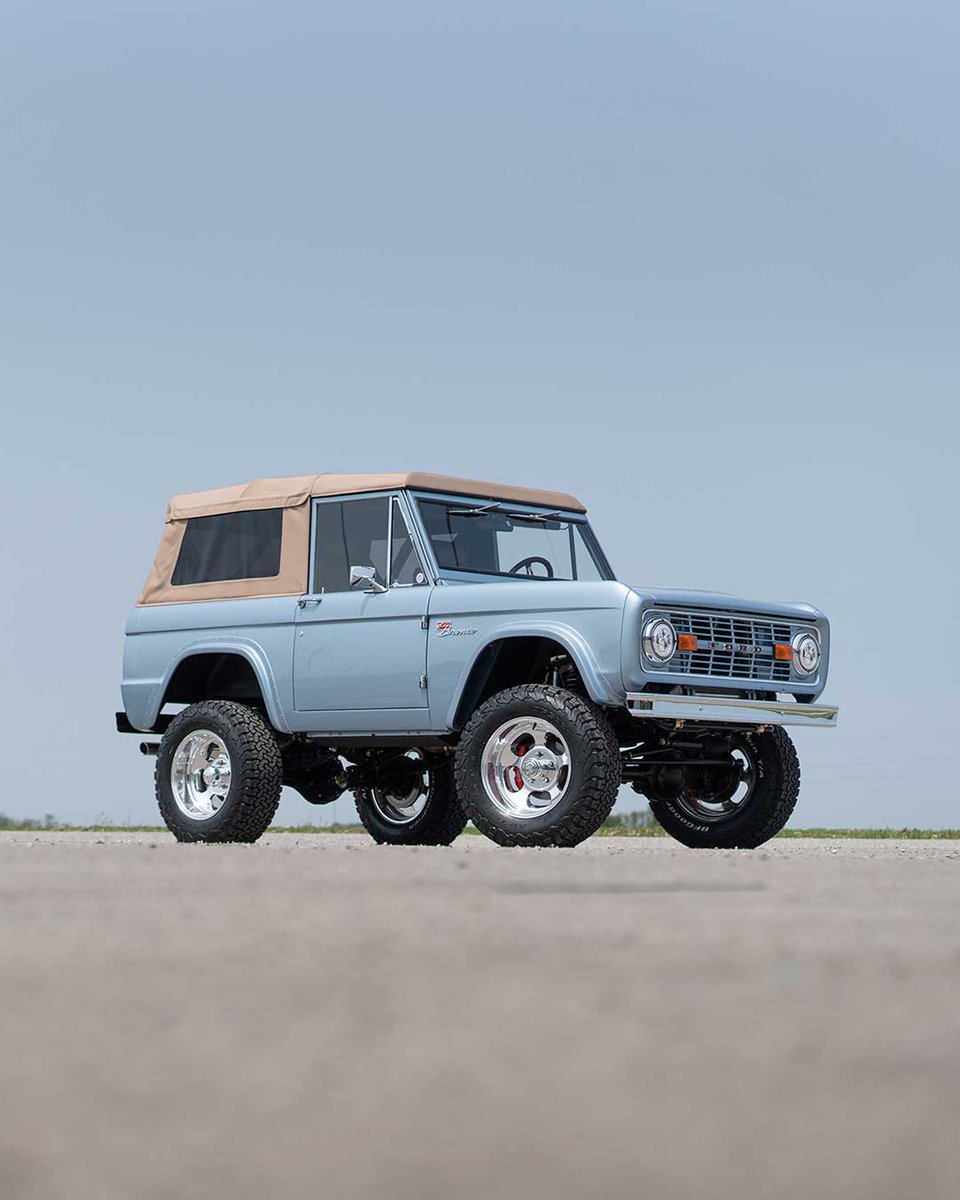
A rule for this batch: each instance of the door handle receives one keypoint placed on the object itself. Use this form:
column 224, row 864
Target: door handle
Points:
column 308, row 602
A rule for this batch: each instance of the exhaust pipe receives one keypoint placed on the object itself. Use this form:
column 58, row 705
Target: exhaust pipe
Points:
column 149, row 748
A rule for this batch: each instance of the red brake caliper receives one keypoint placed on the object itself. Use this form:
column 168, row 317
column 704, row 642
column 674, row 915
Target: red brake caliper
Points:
column 517, row 776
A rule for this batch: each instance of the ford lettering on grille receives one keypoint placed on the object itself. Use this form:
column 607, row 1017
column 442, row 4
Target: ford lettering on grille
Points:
column 735, row 647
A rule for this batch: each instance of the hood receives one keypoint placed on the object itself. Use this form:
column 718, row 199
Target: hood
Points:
column 693, row 598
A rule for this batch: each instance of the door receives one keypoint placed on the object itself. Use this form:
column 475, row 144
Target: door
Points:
column 360, row 653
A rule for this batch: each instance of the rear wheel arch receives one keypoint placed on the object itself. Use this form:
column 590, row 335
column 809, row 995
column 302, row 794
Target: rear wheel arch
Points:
column 233, row 672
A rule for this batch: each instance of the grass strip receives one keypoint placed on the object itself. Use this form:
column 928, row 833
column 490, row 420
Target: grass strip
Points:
column 610, row 830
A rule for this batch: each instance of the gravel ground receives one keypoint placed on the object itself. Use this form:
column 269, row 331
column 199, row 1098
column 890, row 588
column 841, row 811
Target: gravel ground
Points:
column 317, row 1016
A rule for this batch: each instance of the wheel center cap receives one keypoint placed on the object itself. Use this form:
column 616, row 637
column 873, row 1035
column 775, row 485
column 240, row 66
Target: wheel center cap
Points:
column 538, row 767
column 215, row 775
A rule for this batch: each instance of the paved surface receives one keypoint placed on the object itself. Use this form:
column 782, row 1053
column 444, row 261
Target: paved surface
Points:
column 319, row 1017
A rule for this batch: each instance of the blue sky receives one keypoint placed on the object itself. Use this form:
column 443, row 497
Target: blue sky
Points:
column 695, row 263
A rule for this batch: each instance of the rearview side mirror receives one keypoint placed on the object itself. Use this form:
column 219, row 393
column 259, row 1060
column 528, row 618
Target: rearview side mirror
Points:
column 365, row 577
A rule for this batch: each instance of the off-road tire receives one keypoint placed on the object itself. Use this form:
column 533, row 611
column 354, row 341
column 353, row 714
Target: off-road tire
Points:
column 764, row 814
column 595, row 767
column 256, row 775
column 440, row 823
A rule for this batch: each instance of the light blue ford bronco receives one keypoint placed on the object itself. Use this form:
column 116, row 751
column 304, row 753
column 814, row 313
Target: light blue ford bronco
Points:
column 450, row 650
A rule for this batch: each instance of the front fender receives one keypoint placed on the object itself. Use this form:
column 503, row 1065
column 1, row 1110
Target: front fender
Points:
column 602, row 680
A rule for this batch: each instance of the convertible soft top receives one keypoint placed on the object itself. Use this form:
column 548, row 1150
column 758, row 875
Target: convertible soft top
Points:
column 292, row 494
column 294, row 490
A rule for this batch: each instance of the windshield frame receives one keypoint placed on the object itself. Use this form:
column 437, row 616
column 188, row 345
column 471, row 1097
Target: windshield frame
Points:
column 473, row 574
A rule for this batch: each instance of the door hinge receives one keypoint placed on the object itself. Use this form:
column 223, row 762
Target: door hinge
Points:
column 423, row 682
column 424, row 622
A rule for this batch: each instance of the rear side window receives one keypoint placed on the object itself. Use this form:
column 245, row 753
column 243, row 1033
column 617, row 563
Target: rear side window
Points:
column 241, row 545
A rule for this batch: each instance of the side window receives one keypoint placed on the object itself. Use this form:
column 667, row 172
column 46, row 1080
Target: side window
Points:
column 349, row 533
column 240, row 545
column 405, row 568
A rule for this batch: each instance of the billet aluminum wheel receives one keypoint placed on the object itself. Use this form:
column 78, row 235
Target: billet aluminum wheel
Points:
column 200, row 775
column 721, row 806
column 526, row 767
column 402, row 802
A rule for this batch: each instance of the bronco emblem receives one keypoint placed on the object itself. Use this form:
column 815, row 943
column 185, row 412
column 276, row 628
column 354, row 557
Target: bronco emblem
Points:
column 446, row 629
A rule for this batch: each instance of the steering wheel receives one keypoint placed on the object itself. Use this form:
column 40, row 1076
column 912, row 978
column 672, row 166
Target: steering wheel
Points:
column 533, row 560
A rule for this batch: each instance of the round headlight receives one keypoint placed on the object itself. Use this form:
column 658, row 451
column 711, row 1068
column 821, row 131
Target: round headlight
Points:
column 659, row 640
column 806, row 653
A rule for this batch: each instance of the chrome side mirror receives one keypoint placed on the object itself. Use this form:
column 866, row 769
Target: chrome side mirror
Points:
column 365, row 577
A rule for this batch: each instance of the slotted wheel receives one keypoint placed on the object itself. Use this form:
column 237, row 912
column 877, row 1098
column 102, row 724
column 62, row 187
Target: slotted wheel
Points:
column 726, row 801
column 404, row 799
column 741, row 806
column 200, row 775
column 413, row 802
column 526, row 767
column 219, row 773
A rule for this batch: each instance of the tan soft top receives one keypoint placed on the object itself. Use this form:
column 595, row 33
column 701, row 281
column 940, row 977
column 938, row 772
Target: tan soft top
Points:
column 292, row 495
column 294, row 490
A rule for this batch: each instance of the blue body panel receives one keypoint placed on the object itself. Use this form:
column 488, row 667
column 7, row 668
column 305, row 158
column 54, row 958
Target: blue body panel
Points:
column 159, row 637
column 398, row 661
column 358, row 662
column 585, row 619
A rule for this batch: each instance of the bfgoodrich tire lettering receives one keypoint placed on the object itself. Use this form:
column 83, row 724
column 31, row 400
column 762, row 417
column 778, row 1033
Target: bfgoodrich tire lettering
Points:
column 256, row 773
column 764, row 814
column 589, row 791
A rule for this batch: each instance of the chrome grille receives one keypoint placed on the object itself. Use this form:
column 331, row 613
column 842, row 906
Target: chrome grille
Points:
column 731, row 646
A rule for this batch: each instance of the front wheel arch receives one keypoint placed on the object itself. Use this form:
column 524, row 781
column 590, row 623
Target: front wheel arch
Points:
column 520, row 657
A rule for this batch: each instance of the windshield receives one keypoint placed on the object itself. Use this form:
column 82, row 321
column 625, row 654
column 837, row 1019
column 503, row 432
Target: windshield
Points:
column 492, row 539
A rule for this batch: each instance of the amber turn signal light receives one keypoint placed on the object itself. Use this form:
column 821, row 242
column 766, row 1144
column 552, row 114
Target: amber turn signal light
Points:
column 687, row 641
column 782, row 652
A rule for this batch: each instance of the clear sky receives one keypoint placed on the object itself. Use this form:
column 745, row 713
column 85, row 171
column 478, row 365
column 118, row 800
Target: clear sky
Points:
column 696, row 263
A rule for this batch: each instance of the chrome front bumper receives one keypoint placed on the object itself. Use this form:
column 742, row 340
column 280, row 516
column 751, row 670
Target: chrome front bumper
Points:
column 730, row 711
